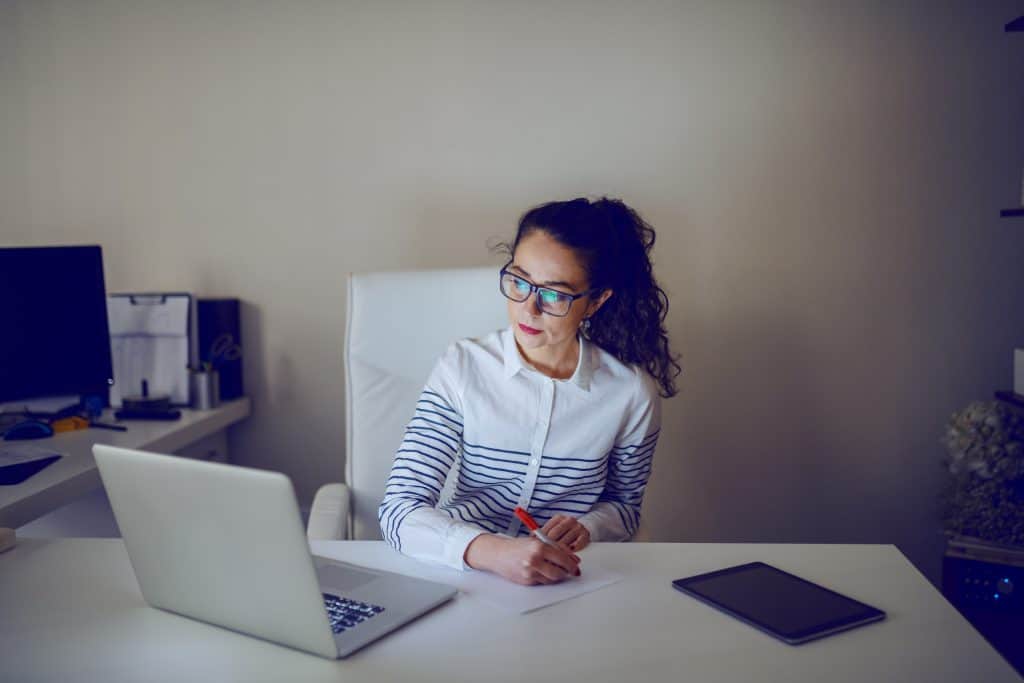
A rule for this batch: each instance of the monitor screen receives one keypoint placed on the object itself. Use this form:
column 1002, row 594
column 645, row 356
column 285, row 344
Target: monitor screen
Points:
column 54, row 338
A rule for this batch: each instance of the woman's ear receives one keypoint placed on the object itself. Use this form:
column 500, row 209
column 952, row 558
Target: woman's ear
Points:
column 598, row 302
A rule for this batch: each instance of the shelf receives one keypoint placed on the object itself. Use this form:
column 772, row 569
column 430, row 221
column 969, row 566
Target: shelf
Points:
column 1007, row 213
column 1015, row 25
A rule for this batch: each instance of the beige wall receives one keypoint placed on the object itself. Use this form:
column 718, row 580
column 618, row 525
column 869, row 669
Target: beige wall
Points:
column 825, row 179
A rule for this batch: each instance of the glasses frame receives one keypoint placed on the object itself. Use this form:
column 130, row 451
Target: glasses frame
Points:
column 535, row 290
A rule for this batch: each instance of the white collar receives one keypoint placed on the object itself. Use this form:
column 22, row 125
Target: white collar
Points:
column 585, row 364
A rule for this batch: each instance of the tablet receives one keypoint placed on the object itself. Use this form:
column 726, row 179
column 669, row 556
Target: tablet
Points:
column 783, row 605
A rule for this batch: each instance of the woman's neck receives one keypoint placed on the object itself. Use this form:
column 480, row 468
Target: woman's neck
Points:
column 556, row 363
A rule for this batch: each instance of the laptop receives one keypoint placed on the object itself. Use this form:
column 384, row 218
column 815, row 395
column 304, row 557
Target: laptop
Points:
column 225, row 545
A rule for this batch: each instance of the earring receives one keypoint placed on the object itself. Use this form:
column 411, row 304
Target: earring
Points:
column 586, row 325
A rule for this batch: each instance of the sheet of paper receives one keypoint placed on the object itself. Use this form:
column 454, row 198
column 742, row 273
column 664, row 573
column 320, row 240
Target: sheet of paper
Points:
column 494, row 589
column 522, row 599
column 161, row 361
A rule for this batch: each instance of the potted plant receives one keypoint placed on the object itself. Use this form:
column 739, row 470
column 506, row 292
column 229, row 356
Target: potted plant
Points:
column 984, row 497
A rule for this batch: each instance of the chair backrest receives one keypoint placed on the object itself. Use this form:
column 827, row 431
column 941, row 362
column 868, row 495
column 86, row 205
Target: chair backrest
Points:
column 399, row 324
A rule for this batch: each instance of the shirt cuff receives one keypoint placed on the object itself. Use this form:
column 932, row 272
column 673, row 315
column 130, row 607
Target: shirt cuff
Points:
column 591, row 526
column 458, row 539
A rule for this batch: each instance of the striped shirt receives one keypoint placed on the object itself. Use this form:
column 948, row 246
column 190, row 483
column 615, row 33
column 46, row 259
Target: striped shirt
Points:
column 490, row 432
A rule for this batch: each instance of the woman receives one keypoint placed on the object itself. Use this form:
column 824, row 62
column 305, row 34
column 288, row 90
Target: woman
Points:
column 558, row 414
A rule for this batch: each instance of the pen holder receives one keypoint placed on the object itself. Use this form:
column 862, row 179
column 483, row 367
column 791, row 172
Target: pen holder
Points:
column 205, row 389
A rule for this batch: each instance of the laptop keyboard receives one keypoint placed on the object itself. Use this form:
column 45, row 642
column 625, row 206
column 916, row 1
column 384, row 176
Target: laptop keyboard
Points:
column 344, row 613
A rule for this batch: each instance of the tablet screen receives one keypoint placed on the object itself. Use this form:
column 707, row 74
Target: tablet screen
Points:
column 785, row 605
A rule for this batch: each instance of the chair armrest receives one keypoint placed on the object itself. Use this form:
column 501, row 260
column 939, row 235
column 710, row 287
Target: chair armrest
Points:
column 328, row 517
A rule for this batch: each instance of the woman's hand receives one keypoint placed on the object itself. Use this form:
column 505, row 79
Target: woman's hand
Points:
column 567, row 531
column 524, row 560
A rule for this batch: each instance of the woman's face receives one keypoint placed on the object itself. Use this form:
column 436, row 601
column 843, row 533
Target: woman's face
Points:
column 541, row 260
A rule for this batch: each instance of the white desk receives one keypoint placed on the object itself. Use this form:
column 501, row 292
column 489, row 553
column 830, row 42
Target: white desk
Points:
column 75, row 474
column 71, row 610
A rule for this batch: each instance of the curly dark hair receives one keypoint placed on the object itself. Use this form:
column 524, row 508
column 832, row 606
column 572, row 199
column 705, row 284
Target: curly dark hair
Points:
column 614, row 244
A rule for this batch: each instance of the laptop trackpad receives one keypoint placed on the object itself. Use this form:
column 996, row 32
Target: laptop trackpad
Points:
column 342, row 578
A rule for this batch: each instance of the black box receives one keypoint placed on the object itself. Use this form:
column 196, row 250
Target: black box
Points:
column 976, row 583
column 220, row 342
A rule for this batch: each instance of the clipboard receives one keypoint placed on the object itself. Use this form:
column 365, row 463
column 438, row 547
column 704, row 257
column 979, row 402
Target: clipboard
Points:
column 152, row 338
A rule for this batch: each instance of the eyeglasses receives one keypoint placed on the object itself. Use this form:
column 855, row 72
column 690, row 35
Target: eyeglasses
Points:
column 549, row 301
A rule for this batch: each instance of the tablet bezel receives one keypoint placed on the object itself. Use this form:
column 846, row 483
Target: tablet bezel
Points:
column 867, row 615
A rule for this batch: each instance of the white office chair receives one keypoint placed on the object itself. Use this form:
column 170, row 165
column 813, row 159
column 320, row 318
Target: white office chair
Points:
column 399, row 324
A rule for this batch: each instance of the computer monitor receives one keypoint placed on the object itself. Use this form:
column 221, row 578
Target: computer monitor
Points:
column 54, row 337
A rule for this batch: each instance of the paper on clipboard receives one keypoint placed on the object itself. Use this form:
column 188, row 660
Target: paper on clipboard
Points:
column 149, row 340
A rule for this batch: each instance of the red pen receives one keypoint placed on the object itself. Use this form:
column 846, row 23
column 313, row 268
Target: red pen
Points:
column 532, row 525
column 534, row 528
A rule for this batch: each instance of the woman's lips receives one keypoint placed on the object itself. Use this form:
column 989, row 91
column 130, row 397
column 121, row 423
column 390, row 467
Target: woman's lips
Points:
column 528, row 330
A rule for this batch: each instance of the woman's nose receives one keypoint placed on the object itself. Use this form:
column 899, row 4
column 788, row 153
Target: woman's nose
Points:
column 531, row 305
column 535, row 298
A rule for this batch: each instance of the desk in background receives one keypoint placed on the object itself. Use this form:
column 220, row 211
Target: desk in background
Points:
column 72, row 610
column 199, row 433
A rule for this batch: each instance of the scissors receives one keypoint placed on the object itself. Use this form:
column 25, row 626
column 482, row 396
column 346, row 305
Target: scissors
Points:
column 223, row 349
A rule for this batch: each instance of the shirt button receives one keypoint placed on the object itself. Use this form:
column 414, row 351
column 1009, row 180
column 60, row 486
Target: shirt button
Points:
column 534, row 462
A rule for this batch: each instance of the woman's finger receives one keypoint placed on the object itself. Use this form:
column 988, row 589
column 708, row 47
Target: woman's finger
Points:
column 558, row 526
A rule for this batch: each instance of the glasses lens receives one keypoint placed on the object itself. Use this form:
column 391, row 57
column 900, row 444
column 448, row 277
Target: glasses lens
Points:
column 514, row 288
column 555, row 303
